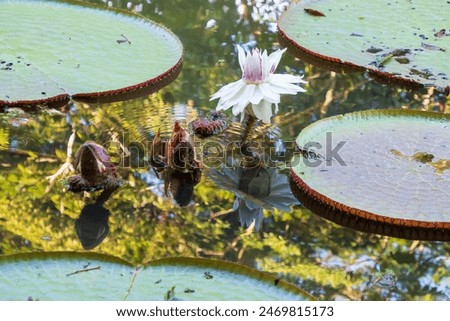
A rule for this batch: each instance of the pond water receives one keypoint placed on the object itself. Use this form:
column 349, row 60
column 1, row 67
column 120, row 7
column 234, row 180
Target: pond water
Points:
column 328, row 261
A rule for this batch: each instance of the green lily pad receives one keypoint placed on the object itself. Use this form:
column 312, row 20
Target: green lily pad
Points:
column 51, row 51
column 383, row 171
column 403, row 40
column 89, row 276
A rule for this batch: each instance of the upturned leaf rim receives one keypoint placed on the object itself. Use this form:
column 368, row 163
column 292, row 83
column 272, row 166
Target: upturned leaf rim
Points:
column 360, row 219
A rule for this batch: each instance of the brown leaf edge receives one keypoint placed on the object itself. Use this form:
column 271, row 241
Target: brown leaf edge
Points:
column 363, row 220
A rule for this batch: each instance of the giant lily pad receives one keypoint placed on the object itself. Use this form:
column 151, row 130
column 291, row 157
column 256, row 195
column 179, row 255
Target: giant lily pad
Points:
column 51, row 51
column 89, row 276
column 403, row 40
column 384, row 171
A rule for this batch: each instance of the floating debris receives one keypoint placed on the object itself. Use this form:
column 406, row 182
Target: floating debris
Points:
column 425, row 73
column 440, row 33
column 402, row 60
column 315, row 13
column 84, row 270
column 374, row 50
column 431, row 47
column 124, row 39
column 170, row 294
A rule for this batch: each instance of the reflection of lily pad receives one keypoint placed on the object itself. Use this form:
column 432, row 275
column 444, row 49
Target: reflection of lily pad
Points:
column 404, row 40
column 88, row 276
column 51, row 51
column 385, row 171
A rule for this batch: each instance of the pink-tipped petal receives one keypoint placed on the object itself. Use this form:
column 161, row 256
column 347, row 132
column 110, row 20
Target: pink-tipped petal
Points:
column 274, row 59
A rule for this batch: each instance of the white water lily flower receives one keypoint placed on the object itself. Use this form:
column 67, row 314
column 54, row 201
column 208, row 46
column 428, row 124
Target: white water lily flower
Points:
column 259, row 86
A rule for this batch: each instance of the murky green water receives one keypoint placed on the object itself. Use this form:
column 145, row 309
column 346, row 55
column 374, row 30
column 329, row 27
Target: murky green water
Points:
column 328, row 261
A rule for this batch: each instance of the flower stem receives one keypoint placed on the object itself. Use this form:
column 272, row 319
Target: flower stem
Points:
column 249, row 123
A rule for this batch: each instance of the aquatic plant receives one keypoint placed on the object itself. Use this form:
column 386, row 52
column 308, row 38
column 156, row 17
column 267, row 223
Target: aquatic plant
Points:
column 259, row 86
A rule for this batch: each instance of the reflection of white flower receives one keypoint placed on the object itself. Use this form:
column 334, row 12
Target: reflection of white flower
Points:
column 259, row 86
column 256, row 189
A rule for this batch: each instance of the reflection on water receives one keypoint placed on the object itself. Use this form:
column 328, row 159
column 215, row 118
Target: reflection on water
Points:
column 327, row 260
column 256, row 187
column 96, row 172
column 175, row 161
column 92, row 226
column 254, row 177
